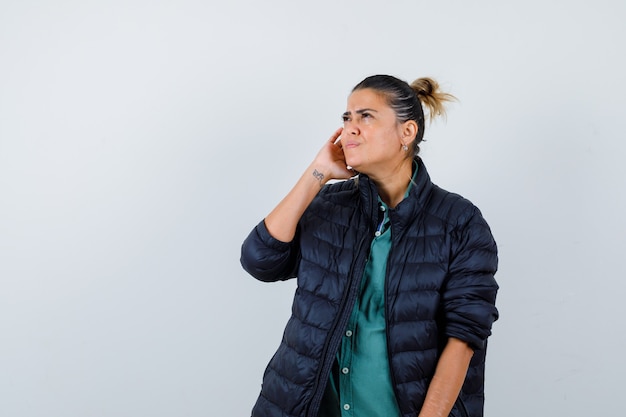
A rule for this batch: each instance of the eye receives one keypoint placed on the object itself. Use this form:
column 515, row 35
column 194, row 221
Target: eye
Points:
column 345, row 118
column 366, row 115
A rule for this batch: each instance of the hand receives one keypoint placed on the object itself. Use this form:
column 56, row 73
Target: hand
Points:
column 330, row 161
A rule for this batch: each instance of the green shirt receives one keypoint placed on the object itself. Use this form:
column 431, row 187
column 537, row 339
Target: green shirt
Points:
column 360, row 382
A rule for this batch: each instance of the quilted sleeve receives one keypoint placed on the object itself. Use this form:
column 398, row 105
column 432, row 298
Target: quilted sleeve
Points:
column 267, row 258
column 470, row 291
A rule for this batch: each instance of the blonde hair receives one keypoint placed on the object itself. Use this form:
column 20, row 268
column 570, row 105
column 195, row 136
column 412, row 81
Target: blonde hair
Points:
column 431, row 97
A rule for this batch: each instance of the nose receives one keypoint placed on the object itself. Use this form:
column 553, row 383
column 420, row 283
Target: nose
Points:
column 350, row 127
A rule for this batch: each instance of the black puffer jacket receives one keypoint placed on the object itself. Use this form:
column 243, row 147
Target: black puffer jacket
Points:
column 440, row 284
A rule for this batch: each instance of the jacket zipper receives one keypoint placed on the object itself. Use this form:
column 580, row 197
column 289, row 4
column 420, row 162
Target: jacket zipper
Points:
column 356, row 275
column 336, row 336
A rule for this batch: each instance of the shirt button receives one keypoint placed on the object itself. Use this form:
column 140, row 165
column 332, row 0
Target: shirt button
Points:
column 346, row 407
column 348, row 333
column 377, row 233
column 382, row 208
column 345, row 370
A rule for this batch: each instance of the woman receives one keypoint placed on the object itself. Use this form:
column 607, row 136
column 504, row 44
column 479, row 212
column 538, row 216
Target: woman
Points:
column 396, row 289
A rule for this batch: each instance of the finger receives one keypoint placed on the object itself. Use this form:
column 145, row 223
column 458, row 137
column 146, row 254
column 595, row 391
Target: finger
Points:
column 336, row 137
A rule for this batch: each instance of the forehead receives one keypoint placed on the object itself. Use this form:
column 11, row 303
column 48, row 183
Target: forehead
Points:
column 367, row 98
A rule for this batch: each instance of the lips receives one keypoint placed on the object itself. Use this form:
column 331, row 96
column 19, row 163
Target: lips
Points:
column 350, row 144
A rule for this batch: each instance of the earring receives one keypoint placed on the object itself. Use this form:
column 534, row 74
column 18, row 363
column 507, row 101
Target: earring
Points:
column 405, row 148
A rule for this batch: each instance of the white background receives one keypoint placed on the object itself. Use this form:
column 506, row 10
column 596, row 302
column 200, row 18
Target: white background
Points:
column 140, row 142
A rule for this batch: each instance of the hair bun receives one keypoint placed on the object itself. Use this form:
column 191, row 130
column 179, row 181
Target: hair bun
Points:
column 424, row 86
column 428, row 92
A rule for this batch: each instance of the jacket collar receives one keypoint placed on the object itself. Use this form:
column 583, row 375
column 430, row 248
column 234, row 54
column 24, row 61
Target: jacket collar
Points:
column 408, row 208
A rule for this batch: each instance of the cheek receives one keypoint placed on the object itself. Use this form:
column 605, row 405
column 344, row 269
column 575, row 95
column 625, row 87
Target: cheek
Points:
column 391, row 137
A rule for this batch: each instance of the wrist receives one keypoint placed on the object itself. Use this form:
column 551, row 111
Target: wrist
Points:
column 321, row 178
column 318, row 174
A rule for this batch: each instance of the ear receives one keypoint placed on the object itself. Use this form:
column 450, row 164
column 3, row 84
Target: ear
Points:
column 409, row 131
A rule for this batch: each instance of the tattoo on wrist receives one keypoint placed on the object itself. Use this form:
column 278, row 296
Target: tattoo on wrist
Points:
column 319, row 176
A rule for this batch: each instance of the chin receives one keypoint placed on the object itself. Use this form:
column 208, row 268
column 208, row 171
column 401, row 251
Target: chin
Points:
column 359, row 168
column 353, row 162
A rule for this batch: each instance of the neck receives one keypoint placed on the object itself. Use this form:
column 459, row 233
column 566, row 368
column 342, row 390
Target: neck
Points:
column 393, row 184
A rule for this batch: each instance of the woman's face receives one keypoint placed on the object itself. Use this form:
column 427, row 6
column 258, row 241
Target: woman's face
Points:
column 372, row 138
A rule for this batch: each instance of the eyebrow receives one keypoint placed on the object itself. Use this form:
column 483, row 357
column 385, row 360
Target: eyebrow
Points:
column 360, row 111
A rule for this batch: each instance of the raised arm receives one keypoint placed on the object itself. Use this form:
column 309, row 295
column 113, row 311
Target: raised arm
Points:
column 270, row 253
column 328, row 164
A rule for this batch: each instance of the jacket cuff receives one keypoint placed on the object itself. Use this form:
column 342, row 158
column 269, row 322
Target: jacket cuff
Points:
column 269, row 240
